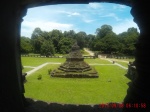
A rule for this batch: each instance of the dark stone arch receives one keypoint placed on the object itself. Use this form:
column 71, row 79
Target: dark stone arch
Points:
column 11, row 88
column 36, row 3
column 138, row 92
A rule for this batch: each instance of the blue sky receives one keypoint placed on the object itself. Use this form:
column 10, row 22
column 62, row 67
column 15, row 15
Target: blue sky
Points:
column 78, row 17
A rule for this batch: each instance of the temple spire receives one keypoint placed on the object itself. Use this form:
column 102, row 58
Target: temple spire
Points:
column 75, row 65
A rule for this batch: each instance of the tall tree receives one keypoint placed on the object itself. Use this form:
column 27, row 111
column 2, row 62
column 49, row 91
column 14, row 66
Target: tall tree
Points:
column 110, row 43
column 26, row 46
column 46, row 35
column 47, row 48
column 36, row 33
column 37, row 40
column 65, row 45
column 103, row 31
column 80, row 38
column 69, row 34
column 128, row 39
column 89, row 40
column 56, row 35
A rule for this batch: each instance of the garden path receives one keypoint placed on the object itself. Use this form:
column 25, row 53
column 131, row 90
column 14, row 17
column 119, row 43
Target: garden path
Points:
column 90, row 52
column 41, row 66
column 38, row 67
column 110, row 60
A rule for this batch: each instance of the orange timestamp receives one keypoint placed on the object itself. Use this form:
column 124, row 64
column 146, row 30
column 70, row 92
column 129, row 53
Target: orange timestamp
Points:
column 121, row 105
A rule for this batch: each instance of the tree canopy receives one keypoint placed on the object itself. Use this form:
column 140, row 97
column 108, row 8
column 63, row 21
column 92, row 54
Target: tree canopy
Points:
column 104, row 41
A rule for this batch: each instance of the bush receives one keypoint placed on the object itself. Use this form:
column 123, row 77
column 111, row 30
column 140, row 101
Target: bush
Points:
column 49, row 71
column 39, row 77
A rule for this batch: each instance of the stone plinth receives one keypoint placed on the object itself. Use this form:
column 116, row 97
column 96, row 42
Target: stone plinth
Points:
column 75, row 66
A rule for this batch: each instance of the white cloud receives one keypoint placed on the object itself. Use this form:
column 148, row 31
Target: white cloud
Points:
column 29, row 26
column 57, row 16
column 70, row 13
column 95, row 5
column 122, row 6
column 123, row 27
column 88, row 20
column 113, row 16
column 75, row 14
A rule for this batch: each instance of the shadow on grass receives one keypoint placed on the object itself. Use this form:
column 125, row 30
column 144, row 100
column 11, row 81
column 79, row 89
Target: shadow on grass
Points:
column 41, row 106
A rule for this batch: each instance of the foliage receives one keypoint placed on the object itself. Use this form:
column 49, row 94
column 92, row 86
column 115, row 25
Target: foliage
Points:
column 36, row 33
column 108, row 42
column 80, row 38
column 26, row 46
column 103, row 31
column 105, row 41
column 128, row 40
column 37, row 40
column 39, row 77
column 32, row 61
column 47, row 48
column 65, row 45
column 49, row 71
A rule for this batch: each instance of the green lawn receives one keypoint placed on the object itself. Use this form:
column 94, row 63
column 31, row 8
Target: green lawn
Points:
column 97, row 61
column 85, row 53
column 124, row 59
column 36, row 61
column 125, row 64
column 26, row 69
column 111, row 86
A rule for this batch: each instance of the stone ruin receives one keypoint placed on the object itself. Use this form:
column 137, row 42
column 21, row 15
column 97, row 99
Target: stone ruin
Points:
column 74, row 66
column 131, row 73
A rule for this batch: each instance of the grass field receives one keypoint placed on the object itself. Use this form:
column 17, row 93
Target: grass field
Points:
column 111, row 86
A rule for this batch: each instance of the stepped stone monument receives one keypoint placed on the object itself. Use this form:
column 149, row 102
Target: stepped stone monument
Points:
column 74, row 66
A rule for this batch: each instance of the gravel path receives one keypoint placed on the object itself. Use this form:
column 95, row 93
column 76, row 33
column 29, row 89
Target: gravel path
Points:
column 92, row 54
column 35, row 69
column 29, row 67
column 116, row 63
column 39, row 67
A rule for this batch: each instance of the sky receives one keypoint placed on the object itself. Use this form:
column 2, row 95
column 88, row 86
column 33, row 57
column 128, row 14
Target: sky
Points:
column 78, row 17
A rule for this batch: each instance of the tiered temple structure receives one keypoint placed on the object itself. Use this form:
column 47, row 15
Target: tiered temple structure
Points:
column 75, row 66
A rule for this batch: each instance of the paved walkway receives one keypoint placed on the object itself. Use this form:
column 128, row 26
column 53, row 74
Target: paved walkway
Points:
column 29, row 67
column 38, row 67
column 118, row 60
column 115, row 63
column 41, row 66
column 92, row 54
